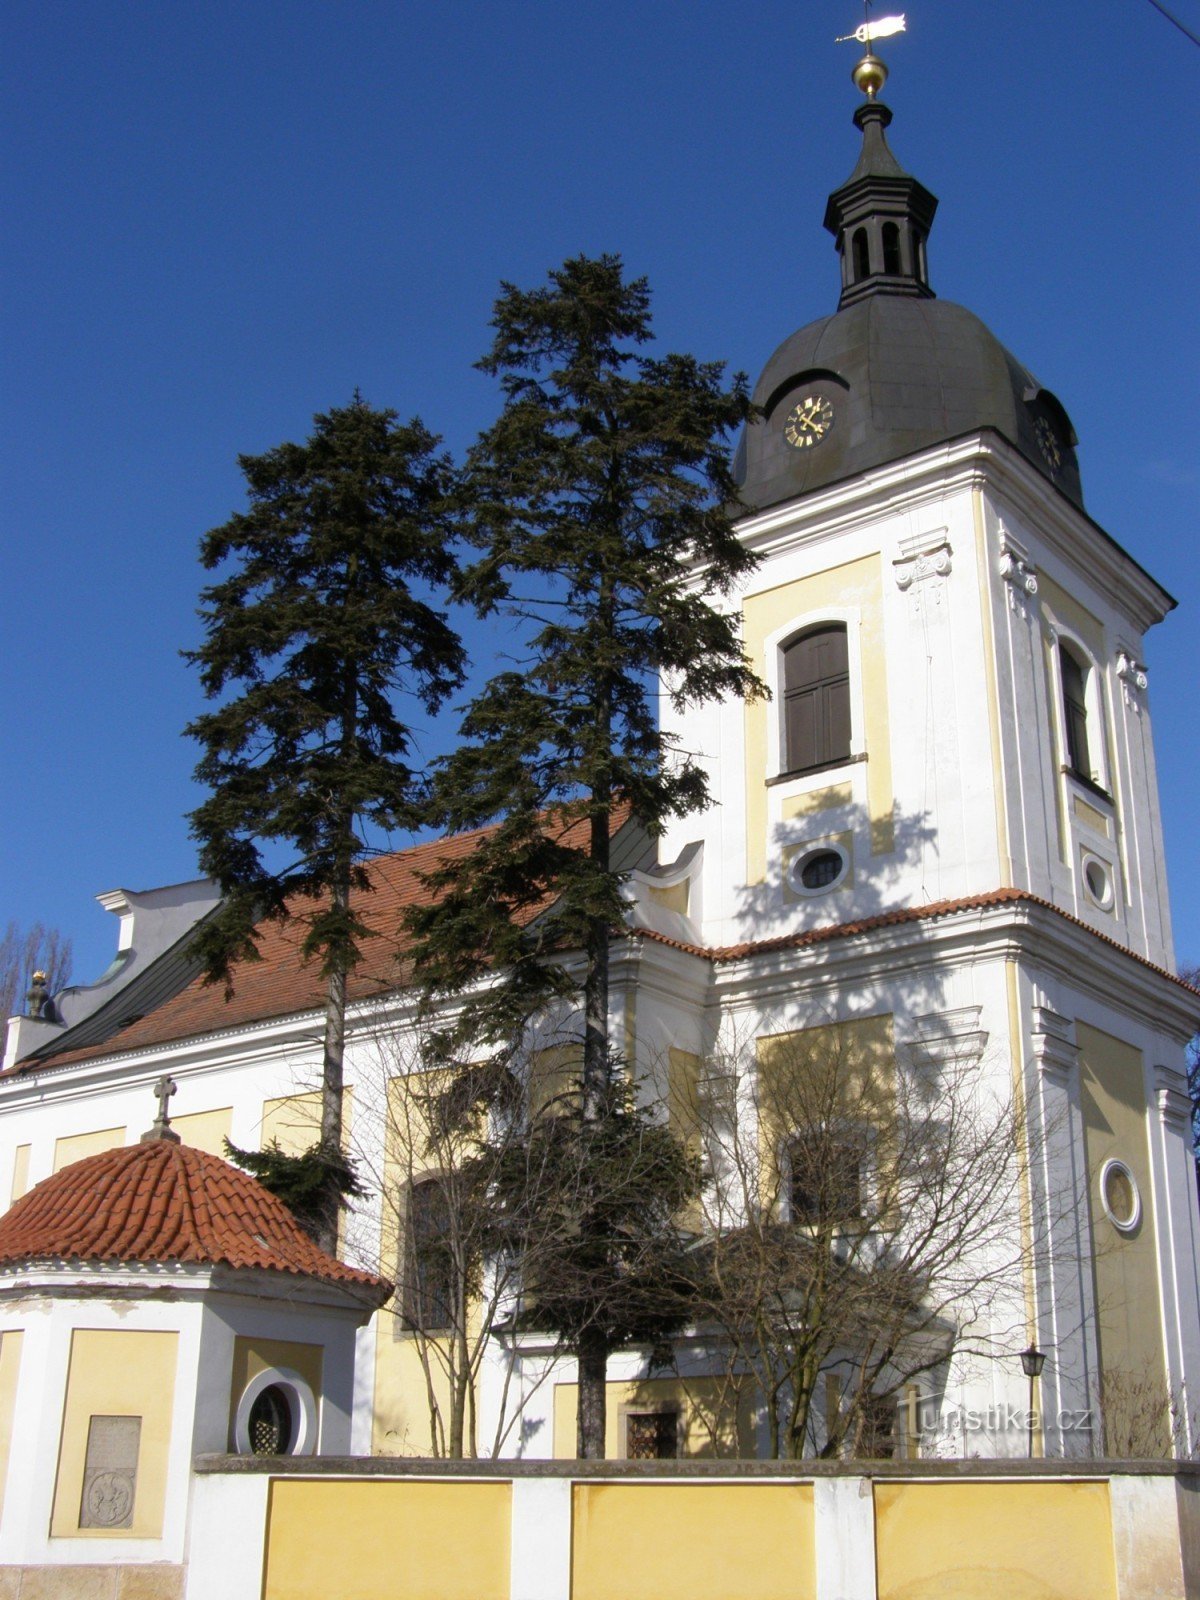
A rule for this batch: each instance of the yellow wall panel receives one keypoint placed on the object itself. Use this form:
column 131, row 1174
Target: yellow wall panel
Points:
column 205, row 1130
column 984, row 1541
column 77, row 1145
column 10, row 1365
column 716, row 1415
column 1128, row 1296
column 294, row 1121
column 117, row 1372
column 357, row 1539
column 709, row 1541
column 856, row 584
column 20, row 1182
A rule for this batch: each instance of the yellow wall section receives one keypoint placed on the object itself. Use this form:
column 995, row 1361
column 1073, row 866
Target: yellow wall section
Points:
column 77, row 1145
column 123, row 1373
column 252, row 1356
column 20, row 1181
column 10, row 1365
column 856, row 584
column 1074, row 616
column 205, row 1130
column 1128, row 1301
column 360, row 1540
column 408, row 1365
column 994, row 1541
column 851, row 1062
column 807, row 805
column 670, row 1541
column 716, row 1418
column 294, row 1122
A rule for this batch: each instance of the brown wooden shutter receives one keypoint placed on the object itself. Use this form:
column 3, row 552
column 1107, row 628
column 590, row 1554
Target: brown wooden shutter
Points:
column 816, row 691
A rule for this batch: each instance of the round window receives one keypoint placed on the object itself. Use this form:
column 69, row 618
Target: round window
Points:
column 1119, row 1196
column 1098, row 882
column 277, row 1415
column 818, row 870
column 270, row 1422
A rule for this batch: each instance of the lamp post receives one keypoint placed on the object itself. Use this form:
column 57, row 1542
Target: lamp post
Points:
column 1032, row 1362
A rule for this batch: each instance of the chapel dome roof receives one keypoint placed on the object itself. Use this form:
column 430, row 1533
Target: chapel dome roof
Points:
column 893, row 370
column 161, row 1201
column 901, row 374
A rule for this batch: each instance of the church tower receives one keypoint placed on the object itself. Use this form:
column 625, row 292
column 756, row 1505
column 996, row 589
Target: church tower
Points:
column 945, row 814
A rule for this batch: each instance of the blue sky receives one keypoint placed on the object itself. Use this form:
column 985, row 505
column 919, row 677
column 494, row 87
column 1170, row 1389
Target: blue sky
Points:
column 221, row 218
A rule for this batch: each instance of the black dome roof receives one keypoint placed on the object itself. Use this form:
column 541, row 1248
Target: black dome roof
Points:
column 896, row 370
column 902, row 374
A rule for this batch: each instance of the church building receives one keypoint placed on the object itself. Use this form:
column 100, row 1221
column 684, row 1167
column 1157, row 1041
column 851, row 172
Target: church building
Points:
column 932, row 869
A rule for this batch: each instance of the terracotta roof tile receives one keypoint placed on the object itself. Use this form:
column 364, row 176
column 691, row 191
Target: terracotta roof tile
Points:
column 165, row 1202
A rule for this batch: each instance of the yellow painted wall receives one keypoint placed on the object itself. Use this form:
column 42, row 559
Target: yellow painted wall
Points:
column 20, row 1181
column 1128, row 1298
column 994, row 1541
column 294, row 1121
column 815, row 800
column 554, row 1076
column 716, row 1418
column 252, row 1356
column 117, row 1372
column 77, row 1145
column 847, row 1066
column 205, row 1130
column 857, row 584
column 361, row 1540
column 408, row 1366
column 10, row 1365
column 675, row 1541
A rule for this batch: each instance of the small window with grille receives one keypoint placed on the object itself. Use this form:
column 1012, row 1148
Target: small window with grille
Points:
column 427, row 1277
column 651, row 1435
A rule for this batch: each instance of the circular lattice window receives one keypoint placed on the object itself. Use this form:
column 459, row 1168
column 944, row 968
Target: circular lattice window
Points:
column 1119, row 1196
column 276, row 1416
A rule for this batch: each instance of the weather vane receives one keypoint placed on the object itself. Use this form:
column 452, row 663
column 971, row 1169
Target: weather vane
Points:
column 870, row 74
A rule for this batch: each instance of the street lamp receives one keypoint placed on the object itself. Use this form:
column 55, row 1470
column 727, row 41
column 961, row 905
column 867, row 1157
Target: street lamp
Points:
column 1032, row 1362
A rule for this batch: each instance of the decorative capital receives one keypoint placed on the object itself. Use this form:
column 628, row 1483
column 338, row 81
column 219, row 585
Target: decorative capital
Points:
column 1174, row 1102
column 1017, row 571
column 1131, row 671
column 926, row 556
column 1054, row 1047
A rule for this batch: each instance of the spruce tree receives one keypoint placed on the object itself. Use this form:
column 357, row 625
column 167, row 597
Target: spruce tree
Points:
column 321, row 637
column 600, row 505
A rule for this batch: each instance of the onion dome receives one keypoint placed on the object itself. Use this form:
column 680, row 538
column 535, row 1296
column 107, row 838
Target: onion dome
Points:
column 894, row 370
column 161, row 1201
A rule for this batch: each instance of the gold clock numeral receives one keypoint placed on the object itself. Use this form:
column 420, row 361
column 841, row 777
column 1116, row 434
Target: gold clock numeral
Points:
column 808, row 422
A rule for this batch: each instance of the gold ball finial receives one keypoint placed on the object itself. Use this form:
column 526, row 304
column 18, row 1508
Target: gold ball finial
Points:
column 869, row 75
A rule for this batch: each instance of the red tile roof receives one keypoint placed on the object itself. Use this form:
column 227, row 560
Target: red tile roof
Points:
column 165, row 1202
column 898, row 917
column 282, row 984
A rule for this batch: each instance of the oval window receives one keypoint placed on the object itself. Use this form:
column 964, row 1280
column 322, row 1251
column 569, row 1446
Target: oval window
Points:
column 270, row 1422
column 1097, row 881
column 818, row 870
column 1119, row 1196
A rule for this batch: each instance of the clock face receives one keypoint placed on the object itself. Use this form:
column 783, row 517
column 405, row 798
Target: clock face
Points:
column 1048, row 444
column 807, row 423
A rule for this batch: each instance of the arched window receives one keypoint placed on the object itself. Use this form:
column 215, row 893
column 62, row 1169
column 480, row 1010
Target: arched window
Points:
column 860, row 255
column 891, row 249
column 427, row 1271
column 816, row 699
column 1075, row 716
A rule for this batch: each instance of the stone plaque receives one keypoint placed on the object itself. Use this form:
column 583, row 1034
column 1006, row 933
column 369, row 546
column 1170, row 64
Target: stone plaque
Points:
column 110, row 1472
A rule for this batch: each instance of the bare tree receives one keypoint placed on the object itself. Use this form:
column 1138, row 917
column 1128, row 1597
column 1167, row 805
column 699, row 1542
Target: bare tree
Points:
column 22, row 953
column 862, row 1220
column 487, row 1175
